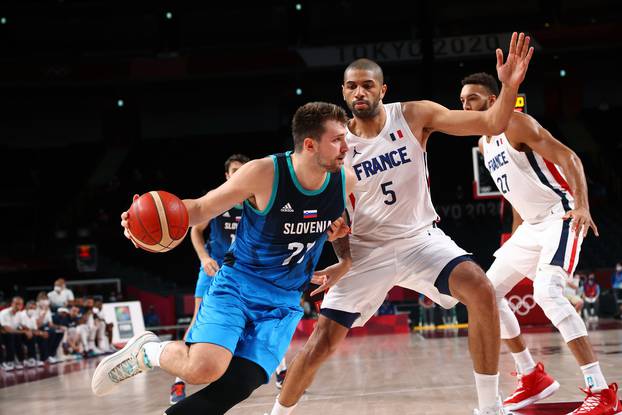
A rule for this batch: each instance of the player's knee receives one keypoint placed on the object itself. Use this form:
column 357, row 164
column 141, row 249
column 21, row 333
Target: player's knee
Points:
column 479, row 293
column 204, row 372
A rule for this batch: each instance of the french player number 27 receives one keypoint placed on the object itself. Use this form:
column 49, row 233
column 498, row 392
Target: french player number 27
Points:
column 390, row 193
column 297, row 247
column 503, row 183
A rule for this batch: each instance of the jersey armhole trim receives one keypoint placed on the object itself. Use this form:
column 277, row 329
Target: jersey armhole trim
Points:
column 343, row 186
column 275, row 186
column 297, row 183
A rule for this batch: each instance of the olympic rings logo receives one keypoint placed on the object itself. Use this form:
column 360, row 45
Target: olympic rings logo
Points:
column 521, row 305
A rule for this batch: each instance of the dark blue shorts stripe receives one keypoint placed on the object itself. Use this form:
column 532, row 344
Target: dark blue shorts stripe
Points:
column 344, row 318
column 536, row 168
column 560, row 254
column 442, row 281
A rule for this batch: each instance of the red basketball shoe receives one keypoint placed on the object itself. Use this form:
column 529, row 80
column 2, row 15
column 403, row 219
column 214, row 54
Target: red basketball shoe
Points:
column 531, row 388
column 604, row 402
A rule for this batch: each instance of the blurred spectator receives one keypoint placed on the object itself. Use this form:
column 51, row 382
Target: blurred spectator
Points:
column 426, row 311
column 40, row 337
column 616, row 287
column 69, row 319
column 15, row 335
column 386, row 307
column 60, row 296
column 591, row 295
column 572, row 292
column 151, row 318
column 106, row 339
column 44, row 322
column 92, row 328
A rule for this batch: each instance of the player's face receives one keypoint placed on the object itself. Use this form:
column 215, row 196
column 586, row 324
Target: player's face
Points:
column 332, row 148
column 363, row 93
column 233, row 167
column 475, row 98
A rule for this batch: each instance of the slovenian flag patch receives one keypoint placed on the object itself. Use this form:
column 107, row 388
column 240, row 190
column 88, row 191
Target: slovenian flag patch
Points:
column 309, row 214
column 396, row 135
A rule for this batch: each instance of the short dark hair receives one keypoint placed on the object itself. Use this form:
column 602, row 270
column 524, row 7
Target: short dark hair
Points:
column 309, row 121
column 484, row 79
column 240, row 158
column 366, row 65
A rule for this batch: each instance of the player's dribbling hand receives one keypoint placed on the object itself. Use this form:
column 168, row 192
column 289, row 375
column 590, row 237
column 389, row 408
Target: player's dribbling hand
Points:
column 210, row 266
column 328, row 277
column 124, row 218
column 338, row 229
column 581, row 221
column 513, row 71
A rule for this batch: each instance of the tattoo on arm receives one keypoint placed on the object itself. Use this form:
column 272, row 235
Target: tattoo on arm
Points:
column 341, row 247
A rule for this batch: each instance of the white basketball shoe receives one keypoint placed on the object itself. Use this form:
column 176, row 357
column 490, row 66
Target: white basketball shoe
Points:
column 122, row 365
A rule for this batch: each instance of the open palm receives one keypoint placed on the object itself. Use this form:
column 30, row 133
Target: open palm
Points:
column 513, row 71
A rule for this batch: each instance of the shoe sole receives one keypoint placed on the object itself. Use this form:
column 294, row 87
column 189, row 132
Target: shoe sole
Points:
column 111, row 361
column 548, row 391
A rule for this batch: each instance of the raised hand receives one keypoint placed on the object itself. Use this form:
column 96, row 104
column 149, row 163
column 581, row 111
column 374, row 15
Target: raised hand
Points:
column 512, row 72
column 328, row 277
column 126, row 230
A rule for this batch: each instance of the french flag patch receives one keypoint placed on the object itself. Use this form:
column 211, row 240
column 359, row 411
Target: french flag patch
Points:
column 309, row 214
column 398, row 134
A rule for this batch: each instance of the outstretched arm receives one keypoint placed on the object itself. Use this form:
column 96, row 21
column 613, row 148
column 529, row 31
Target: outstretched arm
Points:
column 435, row 117
column 526, row 130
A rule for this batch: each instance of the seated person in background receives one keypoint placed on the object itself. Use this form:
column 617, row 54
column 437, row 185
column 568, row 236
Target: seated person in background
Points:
column 386, row 307
column 72, row 343
column 60, row 296
column 105, row 337
column 15, row 334
column 92, row 328
column 572, row 291
column 591, row 294
column 43, row 317
column 39, row 337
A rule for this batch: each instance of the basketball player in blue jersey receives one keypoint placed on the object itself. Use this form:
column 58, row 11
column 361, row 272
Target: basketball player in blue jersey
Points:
column 395, row 239
column 221, row 233
column 292, row 203
column 545, row 183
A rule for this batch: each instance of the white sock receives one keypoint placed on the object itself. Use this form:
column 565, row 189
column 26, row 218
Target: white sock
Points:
column 593, row 376
column 487, row 389
column 153, row 350
column 524, row 362
column 279, row 409
column 282, row 366
column 177, row 380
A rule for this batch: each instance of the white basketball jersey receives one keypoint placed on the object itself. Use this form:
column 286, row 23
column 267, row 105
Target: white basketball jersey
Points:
column 391, row 197
column 532, row 184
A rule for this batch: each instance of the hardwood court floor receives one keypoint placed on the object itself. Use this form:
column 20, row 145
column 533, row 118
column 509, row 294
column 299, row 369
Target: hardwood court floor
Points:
column 374, row 375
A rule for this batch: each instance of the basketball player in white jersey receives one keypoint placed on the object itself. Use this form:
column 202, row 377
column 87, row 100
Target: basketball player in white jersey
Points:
column 395, row 240
column 545, row 183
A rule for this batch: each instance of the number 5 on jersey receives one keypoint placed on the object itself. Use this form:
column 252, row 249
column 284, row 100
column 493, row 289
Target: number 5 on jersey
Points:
column 391, row 199
column 297, row 247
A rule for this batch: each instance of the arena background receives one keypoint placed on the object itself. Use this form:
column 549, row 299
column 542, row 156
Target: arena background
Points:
column 103, row 99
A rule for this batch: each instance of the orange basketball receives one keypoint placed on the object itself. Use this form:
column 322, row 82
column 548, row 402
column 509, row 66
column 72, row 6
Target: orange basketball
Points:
column 158, row 221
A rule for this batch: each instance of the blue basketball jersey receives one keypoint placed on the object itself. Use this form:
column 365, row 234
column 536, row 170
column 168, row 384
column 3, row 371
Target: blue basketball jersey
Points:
column 282, row 244
column 222, row 233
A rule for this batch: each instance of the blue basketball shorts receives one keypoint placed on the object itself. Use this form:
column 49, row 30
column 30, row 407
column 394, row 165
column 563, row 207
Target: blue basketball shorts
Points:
column 203, row 283
column 250, row 317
